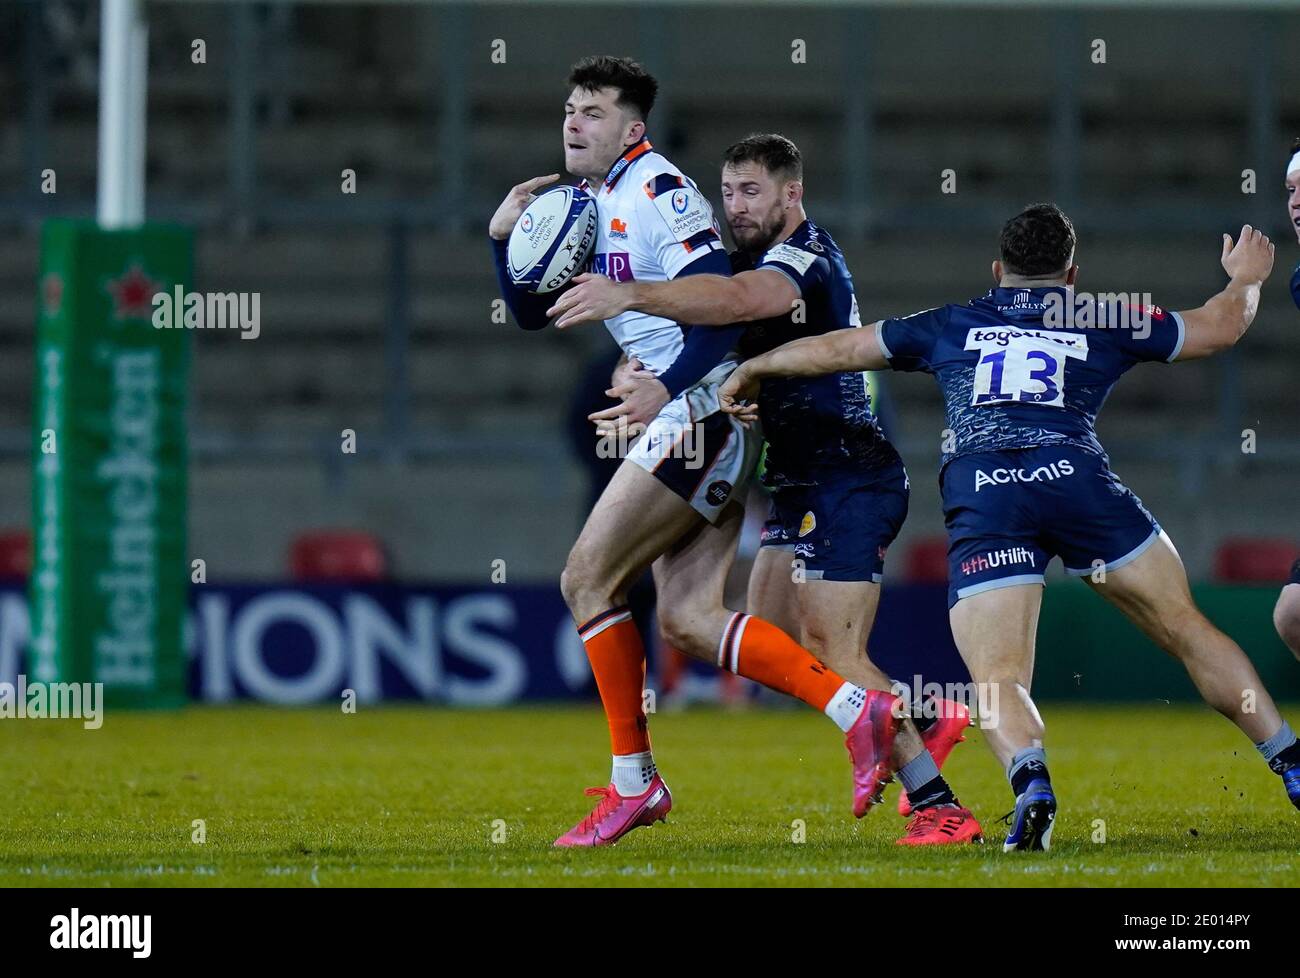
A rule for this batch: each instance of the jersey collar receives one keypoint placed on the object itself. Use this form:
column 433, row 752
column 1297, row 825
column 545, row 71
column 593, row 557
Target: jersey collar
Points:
column 1021, row 300
column 630, row 155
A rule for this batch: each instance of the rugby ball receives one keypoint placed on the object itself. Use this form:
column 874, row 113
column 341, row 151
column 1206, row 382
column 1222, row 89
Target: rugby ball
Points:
column 553, row 239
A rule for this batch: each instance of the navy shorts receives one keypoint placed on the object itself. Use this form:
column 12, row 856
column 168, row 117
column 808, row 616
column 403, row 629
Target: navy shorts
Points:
column 840, row 532
column 1009, row 513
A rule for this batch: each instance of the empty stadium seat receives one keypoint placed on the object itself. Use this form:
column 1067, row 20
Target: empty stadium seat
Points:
column 1254, row 560
column 927, row 561
column 338, row 556
column 15, row 554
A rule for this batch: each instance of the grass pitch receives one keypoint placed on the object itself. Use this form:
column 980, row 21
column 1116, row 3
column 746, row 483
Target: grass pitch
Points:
column 417, row 796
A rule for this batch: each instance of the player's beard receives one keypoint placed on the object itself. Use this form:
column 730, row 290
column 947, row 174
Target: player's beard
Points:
column 758, row 238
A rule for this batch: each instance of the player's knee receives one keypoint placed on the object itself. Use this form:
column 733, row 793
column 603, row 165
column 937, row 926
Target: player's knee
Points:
column 1181, row 631
column 1286, row 619
column 680, row 628
column 815, row 639
column 580, row 584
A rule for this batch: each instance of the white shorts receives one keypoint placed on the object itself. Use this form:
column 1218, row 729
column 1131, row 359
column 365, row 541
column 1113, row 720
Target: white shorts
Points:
column 699, row 451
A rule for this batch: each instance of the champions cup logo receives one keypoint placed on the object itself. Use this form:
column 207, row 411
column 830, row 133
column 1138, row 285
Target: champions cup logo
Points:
column 526, row 223
column 680, row 200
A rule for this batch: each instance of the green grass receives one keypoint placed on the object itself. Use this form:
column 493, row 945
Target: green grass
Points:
column 409, row 796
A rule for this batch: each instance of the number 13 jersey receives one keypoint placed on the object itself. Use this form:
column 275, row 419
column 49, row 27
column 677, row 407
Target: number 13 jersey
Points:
column 1024, row 368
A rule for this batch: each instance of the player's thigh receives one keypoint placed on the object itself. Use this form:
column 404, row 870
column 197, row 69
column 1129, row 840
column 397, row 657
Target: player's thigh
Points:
column 835, row 616
column 636, row 519
column 1151, row 590
column 995, row 631
column 1286, row 617
column 690, row 579
column 771, row 594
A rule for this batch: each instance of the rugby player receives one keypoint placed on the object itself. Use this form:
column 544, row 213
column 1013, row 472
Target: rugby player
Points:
column 1026, row 478
column 1286, row 614
column 662, row 508
column 840, row 491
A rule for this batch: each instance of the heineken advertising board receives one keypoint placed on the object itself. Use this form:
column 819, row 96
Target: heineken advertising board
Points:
column 109, row 565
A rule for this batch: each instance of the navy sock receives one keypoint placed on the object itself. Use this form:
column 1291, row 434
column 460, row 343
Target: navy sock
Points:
column 925, row 713
column 1028, row 765
column 934, row 792
column 1281, row 751
column 1286, row 759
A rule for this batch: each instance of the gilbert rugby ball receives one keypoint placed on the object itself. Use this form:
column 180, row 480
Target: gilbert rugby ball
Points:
column 552, row 240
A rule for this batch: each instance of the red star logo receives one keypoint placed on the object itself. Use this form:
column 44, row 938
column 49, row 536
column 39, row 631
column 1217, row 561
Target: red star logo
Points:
column 133, row 294
column 52, row 293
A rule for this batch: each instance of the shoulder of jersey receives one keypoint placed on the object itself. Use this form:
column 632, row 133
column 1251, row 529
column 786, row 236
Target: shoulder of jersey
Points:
column 685, row 210
column 801, row 249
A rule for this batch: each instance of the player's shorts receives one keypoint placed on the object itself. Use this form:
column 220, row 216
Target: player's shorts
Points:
column 840, row 533
column 697, row 450
column 1009, row 513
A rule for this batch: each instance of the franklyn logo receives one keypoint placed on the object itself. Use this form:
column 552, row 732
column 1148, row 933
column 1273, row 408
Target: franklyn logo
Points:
column 131, row 932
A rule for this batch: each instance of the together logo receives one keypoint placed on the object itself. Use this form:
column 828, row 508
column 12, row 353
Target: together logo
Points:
column 132, row 932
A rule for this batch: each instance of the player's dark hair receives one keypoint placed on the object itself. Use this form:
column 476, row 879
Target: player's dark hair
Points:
column 1295, row 148
column 770, row 150
column 1038, row 241
column 637, row 88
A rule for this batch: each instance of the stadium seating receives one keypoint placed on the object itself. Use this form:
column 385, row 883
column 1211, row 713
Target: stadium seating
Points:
column 488, row 401
column 338, row 556
column 15, row 554
column 1254, row 560
column 927, row 561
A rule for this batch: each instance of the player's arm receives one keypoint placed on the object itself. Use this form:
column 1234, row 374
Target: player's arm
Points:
column 852, row 349
column 705, row 300
column 528, row 308
column 1224, row 318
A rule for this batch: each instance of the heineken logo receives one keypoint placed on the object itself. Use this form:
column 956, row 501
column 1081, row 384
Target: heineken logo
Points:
column 129, row 474
column 132, row 293
column 52, row 293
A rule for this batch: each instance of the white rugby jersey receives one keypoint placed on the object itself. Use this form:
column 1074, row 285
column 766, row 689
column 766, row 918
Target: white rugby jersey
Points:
column 653, row 223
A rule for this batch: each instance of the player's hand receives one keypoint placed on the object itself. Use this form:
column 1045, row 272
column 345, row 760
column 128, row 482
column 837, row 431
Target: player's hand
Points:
column 644, row 396
column 738, row 395
column 624, row 371
column 591, row 299
column 516, row 202
column 1251, row 258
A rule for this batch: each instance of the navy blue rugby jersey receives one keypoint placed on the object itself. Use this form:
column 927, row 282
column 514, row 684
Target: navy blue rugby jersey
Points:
column 819, row 430
column 1013, row 377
